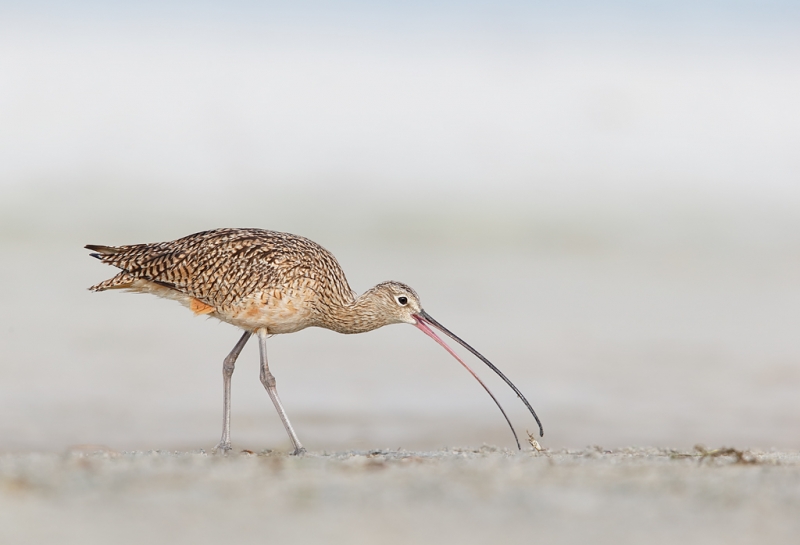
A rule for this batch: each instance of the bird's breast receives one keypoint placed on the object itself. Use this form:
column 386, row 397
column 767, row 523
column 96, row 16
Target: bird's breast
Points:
column 276, row 310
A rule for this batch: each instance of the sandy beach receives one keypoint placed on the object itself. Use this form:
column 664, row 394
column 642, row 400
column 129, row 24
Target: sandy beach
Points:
column 622, row 348
column 619, row 347
column 473, row 495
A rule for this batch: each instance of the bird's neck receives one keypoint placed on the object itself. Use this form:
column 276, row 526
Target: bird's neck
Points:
column 360, row 315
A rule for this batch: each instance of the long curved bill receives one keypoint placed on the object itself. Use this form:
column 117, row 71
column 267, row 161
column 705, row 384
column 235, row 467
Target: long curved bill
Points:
column 424, row 320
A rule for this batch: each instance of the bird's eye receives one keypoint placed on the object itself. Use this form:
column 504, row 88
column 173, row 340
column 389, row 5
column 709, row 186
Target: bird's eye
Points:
column 402, row 300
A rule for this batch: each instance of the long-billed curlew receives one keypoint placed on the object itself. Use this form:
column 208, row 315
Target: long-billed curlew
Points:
column 266, row 282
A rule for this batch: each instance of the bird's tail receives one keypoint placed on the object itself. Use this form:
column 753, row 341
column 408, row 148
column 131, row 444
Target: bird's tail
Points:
column 120, row 281
column 99, row 251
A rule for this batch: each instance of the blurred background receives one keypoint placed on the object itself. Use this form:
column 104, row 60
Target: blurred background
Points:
column 602, row 198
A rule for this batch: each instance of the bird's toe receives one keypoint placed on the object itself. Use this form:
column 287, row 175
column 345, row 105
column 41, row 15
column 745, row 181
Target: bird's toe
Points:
column 222, row 448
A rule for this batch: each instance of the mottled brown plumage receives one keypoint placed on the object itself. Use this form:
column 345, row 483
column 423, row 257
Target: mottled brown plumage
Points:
column 251, row 278
column 265, row 282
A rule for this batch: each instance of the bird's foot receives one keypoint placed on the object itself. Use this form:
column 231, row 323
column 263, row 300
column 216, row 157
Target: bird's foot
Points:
column 223, row 448
column 299, row 451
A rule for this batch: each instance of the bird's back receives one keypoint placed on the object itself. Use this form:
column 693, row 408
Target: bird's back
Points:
column 228, row 269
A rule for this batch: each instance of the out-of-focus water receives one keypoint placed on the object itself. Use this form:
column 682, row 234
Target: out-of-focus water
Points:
column 650, row 327
column 601, row 199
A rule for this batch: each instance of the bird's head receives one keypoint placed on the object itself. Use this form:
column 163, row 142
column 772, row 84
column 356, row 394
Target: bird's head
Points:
column 397, row 302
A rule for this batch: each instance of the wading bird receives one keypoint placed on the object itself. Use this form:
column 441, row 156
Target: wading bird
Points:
column 266, row 282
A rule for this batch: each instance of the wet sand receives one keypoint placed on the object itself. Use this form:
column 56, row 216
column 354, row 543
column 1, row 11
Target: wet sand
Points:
column 474, row 495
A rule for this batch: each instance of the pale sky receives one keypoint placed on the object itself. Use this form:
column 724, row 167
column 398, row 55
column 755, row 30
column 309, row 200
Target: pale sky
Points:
column 452, row 96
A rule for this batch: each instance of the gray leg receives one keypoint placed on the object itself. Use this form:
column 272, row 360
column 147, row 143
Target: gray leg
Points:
column 227, row 371
column 269, row 383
